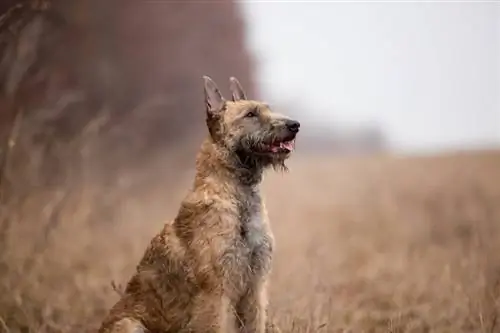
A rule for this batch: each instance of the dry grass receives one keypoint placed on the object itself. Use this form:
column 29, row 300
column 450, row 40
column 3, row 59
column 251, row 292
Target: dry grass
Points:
column 388, row 245
column 377, row 244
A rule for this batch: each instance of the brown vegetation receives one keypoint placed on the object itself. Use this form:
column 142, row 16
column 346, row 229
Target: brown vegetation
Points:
column 363, row 245
column 387, row 244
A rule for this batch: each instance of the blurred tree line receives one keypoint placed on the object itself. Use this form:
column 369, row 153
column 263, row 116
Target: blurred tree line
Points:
column 133, row 67
column 92, row 90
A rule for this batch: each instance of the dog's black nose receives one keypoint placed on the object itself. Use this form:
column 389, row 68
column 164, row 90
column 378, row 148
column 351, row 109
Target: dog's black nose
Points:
column 293, row 125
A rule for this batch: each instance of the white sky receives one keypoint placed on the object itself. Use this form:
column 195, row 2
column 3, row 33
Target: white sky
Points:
column 429, row 73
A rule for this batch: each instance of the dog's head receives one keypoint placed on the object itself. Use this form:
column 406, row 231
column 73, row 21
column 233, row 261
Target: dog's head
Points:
column 248, row 128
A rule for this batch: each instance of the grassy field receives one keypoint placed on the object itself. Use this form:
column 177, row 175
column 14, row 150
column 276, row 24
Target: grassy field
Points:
column 364, row 244
column 388, row 245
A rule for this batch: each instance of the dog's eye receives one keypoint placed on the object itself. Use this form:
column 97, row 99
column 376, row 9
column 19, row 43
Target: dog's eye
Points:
column 251, row 114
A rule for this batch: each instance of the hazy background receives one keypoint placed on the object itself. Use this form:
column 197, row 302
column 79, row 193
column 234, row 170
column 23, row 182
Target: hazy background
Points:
column 428, row 74
column 101, row 115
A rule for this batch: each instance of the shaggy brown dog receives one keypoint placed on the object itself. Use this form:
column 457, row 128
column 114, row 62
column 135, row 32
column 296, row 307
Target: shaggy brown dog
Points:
column 207, row 270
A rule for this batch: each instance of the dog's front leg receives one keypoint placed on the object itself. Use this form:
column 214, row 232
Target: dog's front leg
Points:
column 215, row 266
column 209, row 314
column 251, row 310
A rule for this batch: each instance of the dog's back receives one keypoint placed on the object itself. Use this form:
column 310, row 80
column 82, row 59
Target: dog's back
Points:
column 158, row 294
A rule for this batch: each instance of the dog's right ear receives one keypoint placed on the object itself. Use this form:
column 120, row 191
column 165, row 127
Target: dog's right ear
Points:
column 236, row 89
column 213, row 98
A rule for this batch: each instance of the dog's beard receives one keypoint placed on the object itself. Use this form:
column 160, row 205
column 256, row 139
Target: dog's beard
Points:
column 257, row 152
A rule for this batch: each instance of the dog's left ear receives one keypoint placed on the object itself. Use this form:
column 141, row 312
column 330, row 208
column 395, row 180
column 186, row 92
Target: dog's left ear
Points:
column 236, row 89
column 214, row 101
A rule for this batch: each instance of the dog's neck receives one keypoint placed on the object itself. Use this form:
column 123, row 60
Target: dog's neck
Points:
column 215, row 161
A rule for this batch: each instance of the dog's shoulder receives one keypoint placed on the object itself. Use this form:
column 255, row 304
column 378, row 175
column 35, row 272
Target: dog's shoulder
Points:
column 165, row 245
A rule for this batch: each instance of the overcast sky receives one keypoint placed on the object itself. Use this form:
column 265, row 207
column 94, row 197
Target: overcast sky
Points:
column 429, row 73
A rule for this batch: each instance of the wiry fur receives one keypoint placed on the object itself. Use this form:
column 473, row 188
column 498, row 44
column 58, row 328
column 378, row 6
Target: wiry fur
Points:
column 208, row 270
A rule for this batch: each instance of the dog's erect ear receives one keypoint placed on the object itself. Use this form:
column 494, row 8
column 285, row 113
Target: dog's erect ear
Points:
column 213, row 98
column 236, row 89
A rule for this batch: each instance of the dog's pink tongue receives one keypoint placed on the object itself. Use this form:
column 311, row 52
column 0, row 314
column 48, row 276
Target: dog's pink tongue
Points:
column 287, row 145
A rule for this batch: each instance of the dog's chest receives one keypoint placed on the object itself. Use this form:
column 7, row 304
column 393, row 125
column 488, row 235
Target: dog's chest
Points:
column 255, row 240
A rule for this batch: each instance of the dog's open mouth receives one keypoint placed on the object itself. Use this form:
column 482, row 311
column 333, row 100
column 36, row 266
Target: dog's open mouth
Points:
column 283, row 146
